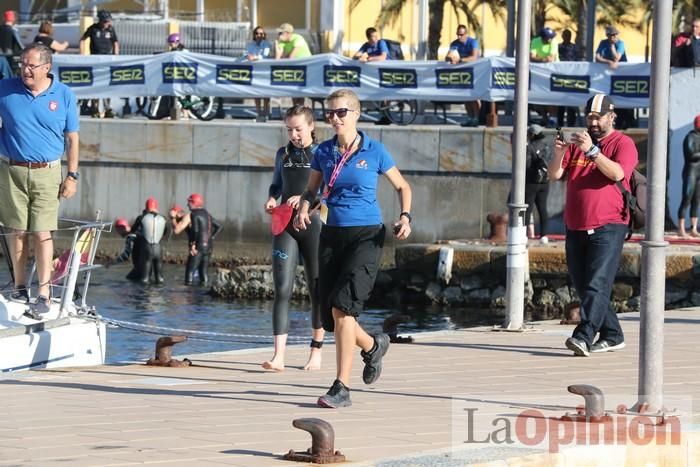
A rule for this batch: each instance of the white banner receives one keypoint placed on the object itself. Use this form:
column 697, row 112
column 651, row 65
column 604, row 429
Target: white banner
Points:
column 493, row 78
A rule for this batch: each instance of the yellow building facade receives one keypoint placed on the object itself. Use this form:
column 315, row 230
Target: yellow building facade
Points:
column 271, row 13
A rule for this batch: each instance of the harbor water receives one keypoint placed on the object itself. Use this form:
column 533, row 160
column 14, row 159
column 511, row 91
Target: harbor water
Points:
column 192, row 308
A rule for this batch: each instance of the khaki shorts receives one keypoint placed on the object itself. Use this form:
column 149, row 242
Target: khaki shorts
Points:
column 29, row 197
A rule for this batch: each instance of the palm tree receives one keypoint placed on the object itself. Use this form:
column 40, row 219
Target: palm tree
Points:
column 392, row 9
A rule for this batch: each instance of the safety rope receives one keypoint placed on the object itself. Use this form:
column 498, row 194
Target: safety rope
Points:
column 194, row 334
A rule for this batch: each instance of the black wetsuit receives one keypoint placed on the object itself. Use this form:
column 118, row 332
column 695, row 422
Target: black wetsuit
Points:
column 691, row 174
column 537, row 190
column 200, row 233
column 292, row 169
column 150, row 228
column 132, row 249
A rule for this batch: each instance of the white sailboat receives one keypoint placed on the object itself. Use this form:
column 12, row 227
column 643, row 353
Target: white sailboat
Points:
column 71, row 333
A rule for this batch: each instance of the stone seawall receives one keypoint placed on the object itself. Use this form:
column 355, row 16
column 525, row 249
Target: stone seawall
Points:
column 478, row 278
column 458, row 175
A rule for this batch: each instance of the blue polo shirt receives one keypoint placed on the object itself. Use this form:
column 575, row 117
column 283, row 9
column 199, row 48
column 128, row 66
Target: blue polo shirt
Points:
column 33, row 127
column 377, row 49
column 605, row 49
column 464, row 49
column 353, row 200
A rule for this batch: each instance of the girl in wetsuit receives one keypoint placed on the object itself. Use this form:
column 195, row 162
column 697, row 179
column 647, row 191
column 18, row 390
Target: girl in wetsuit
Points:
column 292, row 168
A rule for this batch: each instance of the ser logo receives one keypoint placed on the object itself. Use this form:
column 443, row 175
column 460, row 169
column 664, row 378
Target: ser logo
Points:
column 395, row 78
column 570, row 83
column 347, row 76
column 75, row 76
column 288, row 75
column 629, row 86
column 126, row 75
column 503, row 78
column 180, row 73
column 455, row 79
column 234, row 74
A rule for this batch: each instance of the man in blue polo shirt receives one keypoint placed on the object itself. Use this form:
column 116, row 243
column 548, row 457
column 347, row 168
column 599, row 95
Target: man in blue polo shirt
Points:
column 39, row 123
column 465, row 49
column 374, row 50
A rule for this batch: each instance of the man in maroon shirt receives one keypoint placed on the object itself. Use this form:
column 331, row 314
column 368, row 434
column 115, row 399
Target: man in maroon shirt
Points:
column 596, row 220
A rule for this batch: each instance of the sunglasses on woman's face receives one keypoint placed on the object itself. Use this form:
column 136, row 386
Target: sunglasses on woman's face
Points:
column 341, row 113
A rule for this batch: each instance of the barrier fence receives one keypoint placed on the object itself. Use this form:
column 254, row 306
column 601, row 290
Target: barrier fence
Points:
column 492, row 79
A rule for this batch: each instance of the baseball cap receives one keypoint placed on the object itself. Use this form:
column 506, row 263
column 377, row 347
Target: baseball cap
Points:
column 285, row 27
column 600, row 103
column 611, row 31
column 547, row 33
column 9, row 15
column 535, row 129
column 104, row 15
column 697, row 122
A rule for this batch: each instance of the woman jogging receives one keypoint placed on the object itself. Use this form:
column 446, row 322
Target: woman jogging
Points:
column 352, row 236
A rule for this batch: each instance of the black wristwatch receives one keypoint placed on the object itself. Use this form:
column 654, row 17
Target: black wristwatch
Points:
column 408, row 216
column 74, row 175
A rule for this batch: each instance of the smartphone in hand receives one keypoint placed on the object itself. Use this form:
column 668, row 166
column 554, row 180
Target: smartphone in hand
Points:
column 560, row 135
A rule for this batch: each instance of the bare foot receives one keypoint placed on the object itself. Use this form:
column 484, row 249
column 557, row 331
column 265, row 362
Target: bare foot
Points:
column 314, row 362
column 682, row 233
column 274, row 364
column 694, row 233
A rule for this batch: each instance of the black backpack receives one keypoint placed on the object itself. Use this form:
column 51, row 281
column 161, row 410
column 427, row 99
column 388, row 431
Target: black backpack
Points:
column 635, row 200
column 395, row 52
column 537, row 171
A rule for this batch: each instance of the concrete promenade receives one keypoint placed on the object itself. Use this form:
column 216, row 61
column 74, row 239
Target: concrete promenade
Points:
column 227, row 411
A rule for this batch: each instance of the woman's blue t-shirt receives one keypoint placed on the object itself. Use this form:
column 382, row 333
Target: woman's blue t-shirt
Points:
column 353, row 198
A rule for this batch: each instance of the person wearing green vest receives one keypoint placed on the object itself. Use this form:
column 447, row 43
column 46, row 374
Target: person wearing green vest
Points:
column 291, row 45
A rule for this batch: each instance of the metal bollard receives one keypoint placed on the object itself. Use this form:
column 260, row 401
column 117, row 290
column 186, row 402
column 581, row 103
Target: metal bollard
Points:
column 572, row 314
column 499, row 226
column 390, row 328
column 322, row 440
column 164, row 353
column 594, row 409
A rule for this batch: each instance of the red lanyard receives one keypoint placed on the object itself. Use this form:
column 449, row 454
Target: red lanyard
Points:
column 339, row 166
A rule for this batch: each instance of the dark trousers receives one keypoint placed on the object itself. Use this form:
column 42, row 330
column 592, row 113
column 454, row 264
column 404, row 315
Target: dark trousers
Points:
column 593, row 259
column 536, row 195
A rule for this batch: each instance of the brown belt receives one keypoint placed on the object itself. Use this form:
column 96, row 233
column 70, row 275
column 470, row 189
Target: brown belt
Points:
column 30, row 165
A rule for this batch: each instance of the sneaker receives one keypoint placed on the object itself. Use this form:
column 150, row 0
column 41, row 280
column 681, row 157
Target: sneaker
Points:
column 373, row 358
column 606, row 346
column 42, row 304
column 337, row 396
column 20, row 295
column 109, row 113
column 577, row 346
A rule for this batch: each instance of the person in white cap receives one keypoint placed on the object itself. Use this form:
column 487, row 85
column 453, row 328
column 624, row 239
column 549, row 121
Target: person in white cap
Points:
column 291, row 45
column 596, row 220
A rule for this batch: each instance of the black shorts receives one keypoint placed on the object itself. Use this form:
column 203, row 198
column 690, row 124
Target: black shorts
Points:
column 348, row 265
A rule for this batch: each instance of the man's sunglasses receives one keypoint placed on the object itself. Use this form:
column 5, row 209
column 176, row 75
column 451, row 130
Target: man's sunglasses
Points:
column 341, row 113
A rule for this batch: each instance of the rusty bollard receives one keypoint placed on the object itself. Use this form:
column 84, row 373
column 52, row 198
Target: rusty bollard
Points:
column 594, row 408
column 164, row 353
column 322, row 440
column 390, row 328
column 499, row 226
column 572, row 314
